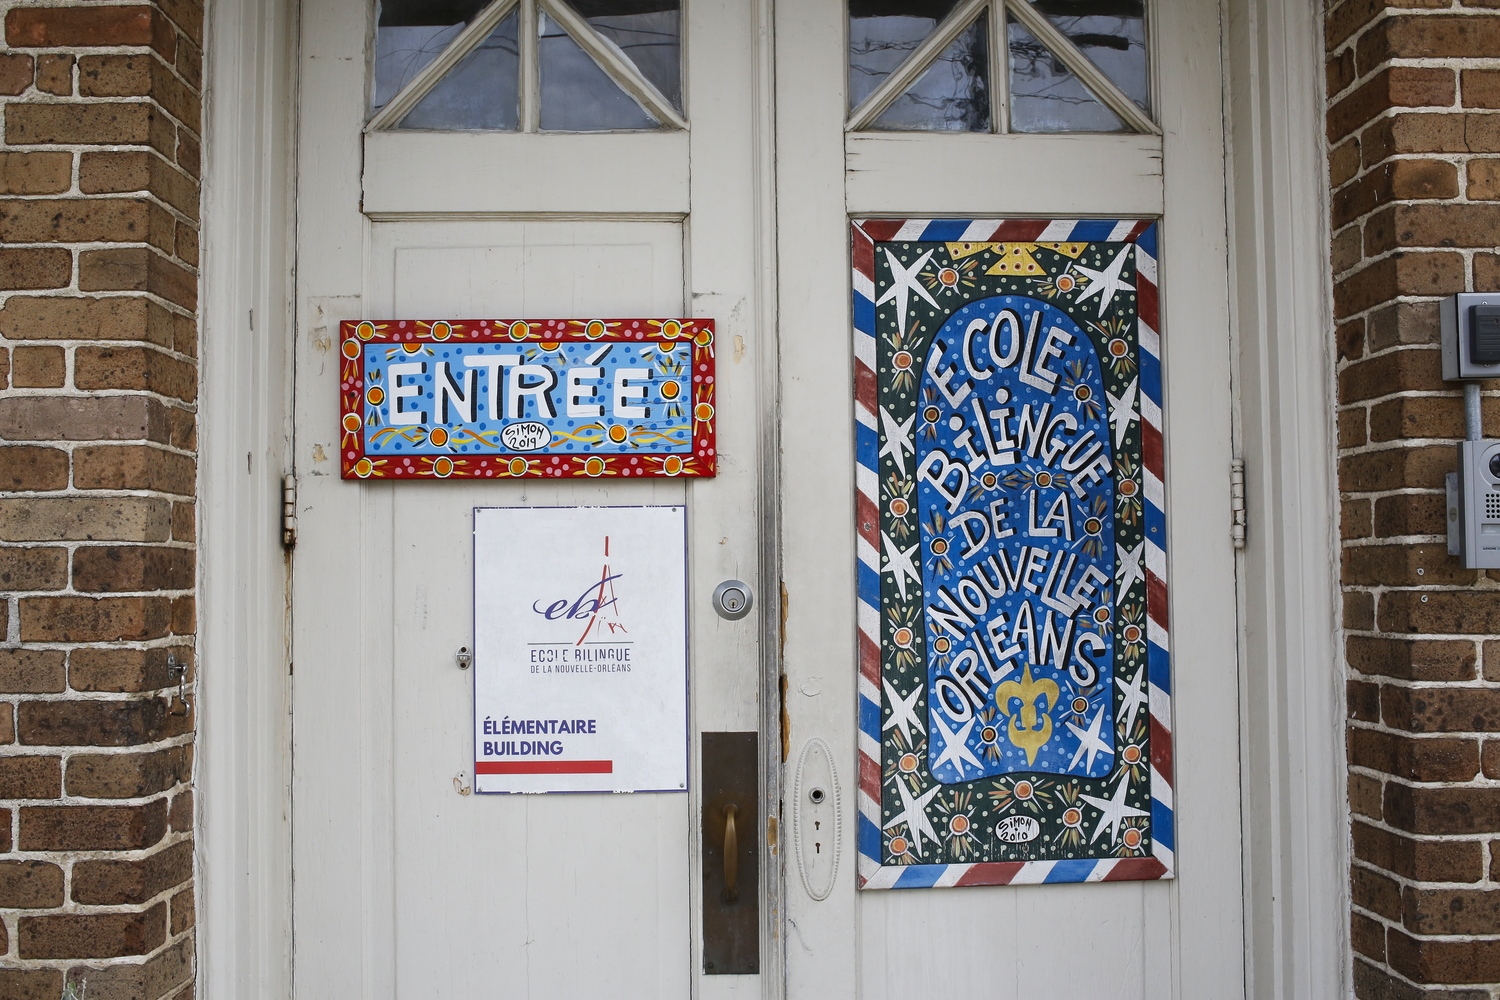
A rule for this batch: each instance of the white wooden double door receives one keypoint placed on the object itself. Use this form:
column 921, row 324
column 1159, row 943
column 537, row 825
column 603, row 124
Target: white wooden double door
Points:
column 407, row 887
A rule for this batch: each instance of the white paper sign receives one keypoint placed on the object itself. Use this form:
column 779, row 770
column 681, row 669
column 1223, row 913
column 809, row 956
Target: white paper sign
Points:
column 580, row 649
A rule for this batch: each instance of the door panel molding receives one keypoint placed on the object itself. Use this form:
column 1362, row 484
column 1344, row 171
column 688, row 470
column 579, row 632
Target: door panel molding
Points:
column 379, row 217
column 986, row 176
column 514, row 172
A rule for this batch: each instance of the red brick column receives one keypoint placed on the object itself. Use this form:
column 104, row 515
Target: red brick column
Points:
column 98, row 383
column 1414, row 161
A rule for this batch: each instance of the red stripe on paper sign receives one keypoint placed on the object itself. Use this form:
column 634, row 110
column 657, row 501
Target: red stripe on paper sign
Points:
column 545, row 767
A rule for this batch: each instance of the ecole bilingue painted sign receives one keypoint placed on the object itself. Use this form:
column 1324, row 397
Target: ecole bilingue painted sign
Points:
column 1015, row 718
column 548, row 398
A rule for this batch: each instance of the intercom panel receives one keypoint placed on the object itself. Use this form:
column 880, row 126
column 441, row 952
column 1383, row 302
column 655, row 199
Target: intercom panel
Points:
column 1479, row 510
column 1471, row 335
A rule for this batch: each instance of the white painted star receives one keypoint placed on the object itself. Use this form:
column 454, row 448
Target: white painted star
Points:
column 1113, row 810
column 903, row 712
column 955, row 747
column 1135, row 698
column 904, row 280
column 914, row 814
column 897, row 438
column 1104, row 283
column 898, row 561
column 1130, row 565
column 1121, row 411
column 1089, row 742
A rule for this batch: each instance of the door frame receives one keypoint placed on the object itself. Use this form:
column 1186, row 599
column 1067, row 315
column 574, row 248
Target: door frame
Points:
column 243, row 834
column 1295, row 830
column 1295, row 819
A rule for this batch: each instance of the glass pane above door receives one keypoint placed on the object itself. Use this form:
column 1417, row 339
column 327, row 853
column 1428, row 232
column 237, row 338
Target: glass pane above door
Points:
column 648, row 32
column 882, row 33
column 1062, row 66
column 528, row 66
column 480, row 93
column 1112, row 33
column 577, row 95
column 953, row 94
column 409, row 34
column 1045, row 95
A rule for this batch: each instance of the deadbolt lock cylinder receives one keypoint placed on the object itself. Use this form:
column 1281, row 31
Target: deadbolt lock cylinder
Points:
column 733, row 600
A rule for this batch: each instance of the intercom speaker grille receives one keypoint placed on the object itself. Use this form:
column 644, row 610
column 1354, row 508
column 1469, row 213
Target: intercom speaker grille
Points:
column 1492, row 506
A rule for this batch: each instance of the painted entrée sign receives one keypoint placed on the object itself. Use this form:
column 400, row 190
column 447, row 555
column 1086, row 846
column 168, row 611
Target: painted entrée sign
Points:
column 580, row 657
column 480, row 399
column 1014, row 695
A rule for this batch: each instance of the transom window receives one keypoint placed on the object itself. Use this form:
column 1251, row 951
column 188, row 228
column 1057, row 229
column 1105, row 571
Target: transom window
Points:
column 528, row 65
column 999, row 66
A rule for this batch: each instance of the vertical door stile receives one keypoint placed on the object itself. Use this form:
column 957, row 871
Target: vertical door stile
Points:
column 1206, row 936
column 342, row 804
column 769, row 508
column 728, row 280
column 823, row 938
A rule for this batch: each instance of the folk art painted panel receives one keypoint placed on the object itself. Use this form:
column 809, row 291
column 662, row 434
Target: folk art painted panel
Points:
column 548, row 398
column 1014, row 676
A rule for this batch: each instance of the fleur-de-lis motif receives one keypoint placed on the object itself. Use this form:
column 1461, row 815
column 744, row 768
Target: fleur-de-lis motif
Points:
column 1029, row 728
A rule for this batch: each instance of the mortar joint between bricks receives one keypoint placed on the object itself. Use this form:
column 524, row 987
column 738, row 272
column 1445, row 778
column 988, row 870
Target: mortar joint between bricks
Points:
column 73, row 198
column 1432, row 636
column 73, row 344
column 1397, row 444
column 73, row 292
column 1482, row 839
column 72, row 695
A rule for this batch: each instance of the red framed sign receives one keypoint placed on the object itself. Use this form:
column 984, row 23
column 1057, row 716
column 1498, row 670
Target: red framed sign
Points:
column 539, row 398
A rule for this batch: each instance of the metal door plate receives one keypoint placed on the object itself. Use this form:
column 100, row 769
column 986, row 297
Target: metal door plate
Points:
column 731, row 929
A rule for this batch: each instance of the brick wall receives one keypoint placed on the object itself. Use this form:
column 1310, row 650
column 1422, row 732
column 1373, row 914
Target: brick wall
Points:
column 1414, row 163
column 98, row 380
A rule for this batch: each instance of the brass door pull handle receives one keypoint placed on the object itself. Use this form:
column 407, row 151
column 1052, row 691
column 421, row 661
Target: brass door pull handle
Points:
column 727, row 819
column 731, row 854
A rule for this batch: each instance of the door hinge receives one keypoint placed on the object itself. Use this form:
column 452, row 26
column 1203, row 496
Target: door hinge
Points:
column 288, row 511
column 1237, row 502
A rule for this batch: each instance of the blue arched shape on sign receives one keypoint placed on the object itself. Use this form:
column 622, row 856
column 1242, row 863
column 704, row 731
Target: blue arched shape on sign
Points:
column 1016, row 495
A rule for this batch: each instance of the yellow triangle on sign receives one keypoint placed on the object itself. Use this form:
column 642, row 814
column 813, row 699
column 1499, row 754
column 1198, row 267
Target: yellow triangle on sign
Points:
column 1015, row 258
column 958, row 251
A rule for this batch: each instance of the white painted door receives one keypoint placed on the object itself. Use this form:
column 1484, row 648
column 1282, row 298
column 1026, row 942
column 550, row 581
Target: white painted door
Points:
column 408, row 885
column 1147, row 939
column 407, row 882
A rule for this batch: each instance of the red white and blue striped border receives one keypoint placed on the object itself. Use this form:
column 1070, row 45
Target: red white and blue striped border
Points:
column 1142, row 232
